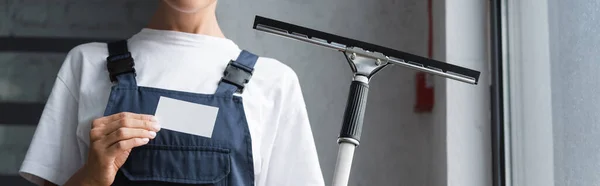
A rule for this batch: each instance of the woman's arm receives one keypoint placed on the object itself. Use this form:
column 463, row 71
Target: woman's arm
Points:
column 78, row 179
column 111, row 139
column 293, row 160
column 47, row 183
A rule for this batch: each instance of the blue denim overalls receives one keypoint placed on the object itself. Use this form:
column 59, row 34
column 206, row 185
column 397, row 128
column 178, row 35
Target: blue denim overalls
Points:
column 176, row 158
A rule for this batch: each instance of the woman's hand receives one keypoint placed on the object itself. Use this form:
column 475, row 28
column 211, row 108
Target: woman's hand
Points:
column 111, row 140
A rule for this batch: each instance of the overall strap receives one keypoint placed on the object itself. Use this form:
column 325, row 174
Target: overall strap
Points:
column 237, row 74
column 120, row 64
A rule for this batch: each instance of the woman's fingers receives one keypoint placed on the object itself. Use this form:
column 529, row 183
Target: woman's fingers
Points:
column 131, row 123
column 122, row 115
column 125, row 145
column 109, row 124
column 130, row 120
column 123, row 134
column 130, row 115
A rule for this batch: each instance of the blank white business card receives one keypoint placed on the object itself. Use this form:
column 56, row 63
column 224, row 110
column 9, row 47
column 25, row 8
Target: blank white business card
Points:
column 186, row 117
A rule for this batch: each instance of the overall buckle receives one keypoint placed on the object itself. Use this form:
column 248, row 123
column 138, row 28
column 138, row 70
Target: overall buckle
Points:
column 119, row 64
column 237, row 75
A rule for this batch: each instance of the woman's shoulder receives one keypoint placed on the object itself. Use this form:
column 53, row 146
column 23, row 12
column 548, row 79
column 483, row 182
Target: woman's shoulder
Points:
column 273, row 75
column 86, row 53
column 86, row 49
column 83, row 58
column 275, row 69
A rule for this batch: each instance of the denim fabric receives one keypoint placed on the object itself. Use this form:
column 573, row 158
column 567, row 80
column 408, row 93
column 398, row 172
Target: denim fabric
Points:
column 176, row 158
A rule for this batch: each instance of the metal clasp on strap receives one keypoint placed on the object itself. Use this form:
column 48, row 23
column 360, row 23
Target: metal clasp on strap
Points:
column 237, row 75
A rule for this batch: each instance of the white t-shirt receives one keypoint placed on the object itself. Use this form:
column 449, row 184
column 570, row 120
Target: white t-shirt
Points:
column 282, row 141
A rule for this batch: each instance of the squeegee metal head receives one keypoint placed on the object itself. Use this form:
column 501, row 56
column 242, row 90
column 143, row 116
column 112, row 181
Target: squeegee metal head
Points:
column 364, row 49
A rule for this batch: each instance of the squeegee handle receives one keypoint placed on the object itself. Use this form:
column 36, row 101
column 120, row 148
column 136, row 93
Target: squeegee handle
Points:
column 351, row 128
column 355, row 110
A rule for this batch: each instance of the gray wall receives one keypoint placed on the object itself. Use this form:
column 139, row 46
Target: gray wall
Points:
column 575, row 60
column 397, row 146
column 438, row 164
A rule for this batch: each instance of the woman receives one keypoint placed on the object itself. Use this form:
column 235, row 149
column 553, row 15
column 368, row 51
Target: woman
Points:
column 98, row 126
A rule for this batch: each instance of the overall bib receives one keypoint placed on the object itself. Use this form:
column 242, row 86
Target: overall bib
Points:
column 176, row 158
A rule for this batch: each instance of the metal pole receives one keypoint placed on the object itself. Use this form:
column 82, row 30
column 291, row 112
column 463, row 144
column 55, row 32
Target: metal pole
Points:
column 343, row 164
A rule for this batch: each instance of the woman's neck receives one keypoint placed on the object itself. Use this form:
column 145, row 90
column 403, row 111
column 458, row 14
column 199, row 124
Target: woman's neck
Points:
column 202, row 22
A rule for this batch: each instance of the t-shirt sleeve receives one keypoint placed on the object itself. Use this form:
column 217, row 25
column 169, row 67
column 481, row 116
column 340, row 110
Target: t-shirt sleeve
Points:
column 293, row 159
column 53, row 154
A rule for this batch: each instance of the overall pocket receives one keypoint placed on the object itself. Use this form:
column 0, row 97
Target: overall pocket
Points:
column 178, row 164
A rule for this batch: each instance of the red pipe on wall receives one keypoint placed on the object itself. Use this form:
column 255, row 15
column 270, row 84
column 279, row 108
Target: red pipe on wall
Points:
column 424, row 82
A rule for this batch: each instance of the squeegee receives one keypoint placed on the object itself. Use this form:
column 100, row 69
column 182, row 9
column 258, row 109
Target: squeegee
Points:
column 365, row 60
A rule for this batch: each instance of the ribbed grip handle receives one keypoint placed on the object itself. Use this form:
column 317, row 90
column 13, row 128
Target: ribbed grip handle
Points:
column 355, row 110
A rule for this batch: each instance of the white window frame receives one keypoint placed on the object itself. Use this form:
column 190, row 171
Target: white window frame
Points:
column 528, row 107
